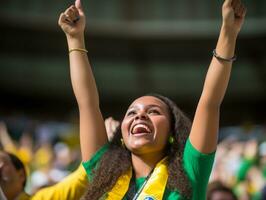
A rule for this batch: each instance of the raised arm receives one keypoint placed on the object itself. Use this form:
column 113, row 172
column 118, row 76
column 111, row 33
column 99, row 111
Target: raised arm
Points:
column 205, row 126
column 6, row 140
column 92, row 130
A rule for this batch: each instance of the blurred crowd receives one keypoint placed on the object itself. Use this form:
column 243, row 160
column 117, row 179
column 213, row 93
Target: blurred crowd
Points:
column 50, row 151
column 240, row 162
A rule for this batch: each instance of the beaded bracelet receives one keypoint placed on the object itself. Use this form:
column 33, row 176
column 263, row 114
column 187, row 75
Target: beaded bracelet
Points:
column 223, row 59
column 78, row 49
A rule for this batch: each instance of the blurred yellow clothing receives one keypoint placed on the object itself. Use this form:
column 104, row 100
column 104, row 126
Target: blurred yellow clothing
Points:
column 25, row 155
column 70, row 188
column 43, row 157
column 11, row 148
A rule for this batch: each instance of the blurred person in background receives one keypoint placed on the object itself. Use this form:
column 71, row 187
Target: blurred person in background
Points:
column 151, row 156
column 23, row 149
column 13, row 174
column 50, row 163
column 218, row 191
column 240, row 165
column 13, row 180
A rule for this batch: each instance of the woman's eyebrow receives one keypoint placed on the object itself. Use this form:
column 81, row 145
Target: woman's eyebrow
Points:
column 148, row 106
column 154, row 105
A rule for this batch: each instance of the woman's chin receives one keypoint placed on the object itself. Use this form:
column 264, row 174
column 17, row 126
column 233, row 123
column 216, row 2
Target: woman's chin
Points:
column 139, row 146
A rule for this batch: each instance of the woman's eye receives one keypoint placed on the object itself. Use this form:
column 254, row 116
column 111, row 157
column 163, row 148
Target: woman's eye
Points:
column 154, row 112
column 130, row 113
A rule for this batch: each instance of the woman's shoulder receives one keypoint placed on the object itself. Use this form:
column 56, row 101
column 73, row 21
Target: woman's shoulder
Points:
column 95, row 159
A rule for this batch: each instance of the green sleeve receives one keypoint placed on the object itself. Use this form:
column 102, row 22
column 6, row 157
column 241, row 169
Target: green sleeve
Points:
column 198, row 167
column 94, row 161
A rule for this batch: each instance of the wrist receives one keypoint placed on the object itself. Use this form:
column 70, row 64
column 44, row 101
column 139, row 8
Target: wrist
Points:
column 229, row 32
column 77, row 41
column 225, row 47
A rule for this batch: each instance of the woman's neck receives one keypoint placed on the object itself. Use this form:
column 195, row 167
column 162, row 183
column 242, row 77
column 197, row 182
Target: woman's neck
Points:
column 144, row 164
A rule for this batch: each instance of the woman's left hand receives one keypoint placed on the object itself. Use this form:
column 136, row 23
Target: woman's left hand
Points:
column 233, row 12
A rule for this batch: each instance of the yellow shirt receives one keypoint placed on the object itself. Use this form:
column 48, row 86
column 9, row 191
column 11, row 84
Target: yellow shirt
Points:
column 70, row 188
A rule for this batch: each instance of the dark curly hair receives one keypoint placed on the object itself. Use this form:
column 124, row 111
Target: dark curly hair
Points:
column 117, row 160
column 18, row 164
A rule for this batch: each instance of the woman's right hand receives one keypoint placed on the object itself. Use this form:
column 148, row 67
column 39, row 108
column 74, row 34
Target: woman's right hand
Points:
column 73, row 20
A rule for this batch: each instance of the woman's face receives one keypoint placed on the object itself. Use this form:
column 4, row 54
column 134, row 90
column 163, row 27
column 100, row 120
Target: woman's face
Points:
column 146, row 125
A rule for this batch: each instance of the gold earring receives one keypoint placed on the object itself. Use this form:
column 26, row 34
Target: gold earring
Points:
column 122, row 142
column 171, row 139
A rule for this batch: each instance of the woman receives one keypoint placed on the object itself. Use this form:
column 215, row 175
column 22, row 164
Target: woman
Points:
column 154, row 159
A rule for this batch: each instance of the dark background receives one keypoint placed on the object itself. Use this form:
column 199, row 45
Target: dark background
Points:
column 135, row 47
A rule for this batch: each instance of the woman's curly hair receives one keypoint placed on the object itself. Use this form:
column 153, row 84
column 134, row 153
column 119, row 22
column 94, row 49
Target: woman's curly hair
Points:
column 117, row 160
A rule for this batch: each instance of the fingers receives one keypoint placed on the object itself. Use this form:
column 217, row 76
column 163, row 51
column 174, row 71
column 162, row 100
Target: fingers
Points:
column 78, row 5
column 239, row 8
column 72, row 14
column 234, row 3
column 228, row 3
column 242, row 11
column 62, row 19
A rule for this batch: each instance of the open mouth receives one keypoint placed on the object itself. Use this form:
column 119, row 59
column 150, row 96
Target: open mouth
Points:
column 139, row 129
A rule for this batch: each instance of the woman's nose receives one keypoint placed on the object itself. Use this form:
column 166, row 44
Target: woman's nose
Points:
column 141, row 115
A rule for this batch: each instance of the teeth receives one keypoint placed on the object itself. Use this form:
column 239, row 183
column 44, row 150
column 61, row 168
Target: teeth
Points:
column 141, row 126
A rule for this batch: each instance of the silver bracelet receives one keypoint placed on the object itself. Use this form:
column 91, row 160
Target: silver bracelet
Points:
column 223, row 59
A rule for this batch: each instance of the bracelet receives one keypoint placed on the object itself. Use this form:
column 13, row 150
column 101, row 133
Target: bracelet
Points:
column 78, row 49
column 223, row 59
